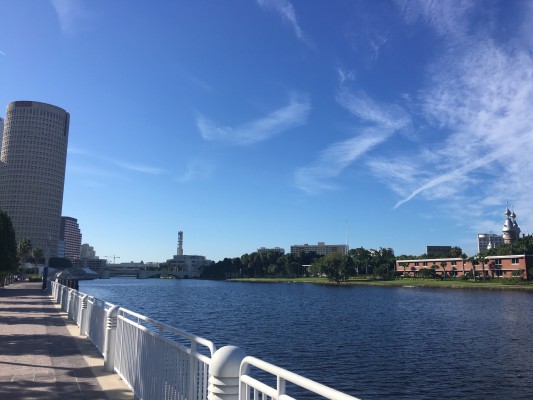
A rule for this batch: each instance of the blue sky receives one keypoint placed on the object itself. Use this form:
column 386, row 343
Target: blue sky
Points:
column 273, row 122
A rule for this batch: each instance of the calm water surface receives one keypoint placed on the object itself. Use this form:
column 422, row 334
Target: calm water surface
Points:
column 370, row 342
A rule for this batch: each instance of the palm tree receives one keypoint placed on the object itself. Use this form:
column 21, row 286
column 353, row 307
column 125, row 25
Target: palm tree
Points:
column 434, row 268
column 404, row 265
column 464, row 257
column 482, row 260
column 491, row 268
column 443, row 265
column 474, row 262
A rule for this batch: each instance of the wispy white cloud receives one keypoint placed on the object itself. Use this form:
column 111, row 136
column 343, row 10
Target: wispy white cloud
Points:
column 197, row 170
column 366, row 109
column 447, row 17
column 71, row 14
column 345, row 76
column 145, row 169
column 293, row 115
column 4, row 54
column 385, row 120
column 318, row 176
column 477, row 98
column 286, row 10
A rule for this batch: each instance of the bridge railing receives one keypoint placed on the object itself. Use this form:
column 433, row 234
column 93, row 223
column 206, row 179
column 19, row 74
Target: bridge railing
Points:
column 160, row 362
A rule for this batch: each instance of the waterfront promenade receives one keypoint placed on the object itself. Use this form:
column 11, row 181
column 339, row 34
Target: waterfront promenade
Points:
column 42, row 355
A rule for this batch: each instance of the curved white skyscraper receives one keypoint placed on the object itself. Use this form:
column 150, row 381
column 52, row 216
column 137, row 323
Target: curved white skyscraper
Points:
column 32, row 170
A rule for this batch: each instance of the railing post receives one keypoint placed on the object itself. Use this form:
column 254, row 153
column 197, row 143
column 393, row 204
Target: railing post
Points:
column 83, row 312
column 69, row 299
column 224, row 373
column 110, row 338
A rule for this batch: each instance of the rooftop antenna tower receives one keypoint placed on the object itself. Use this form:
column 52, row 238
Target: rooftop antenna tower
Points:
column 346, row 236
column 180, row 243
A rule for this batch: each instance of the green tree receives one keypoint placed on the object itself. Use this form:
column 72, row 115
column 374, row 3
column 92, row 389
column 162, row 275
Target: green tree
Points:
column 434, row 268
column 8, row 248
column 443, row 265
column 404, row 265
column 381, row 272
column 347, row 267
column 24, row 249
column 464, row 258
column 482, row 260
column 361, row 258
column 37, row 254
column 473, row 261
column 330, row 265
column 455, row 252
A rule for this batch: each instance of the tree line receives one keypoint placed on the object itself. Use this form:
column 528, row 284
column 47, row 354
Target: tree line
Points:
column 335, row 266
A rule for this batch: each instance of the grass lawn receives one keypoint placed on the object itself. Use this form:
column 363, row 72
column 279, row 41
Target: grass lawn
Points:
column 405, row 282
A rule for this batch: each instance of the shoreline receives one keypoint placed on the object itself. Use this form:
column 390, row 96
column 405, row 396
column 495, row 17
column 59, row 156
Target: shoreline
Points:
column 398, row 284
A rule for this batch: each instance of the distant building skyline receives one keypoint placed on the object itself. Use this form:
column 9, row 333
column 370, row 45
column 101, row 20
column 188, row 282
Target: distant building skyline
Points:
column 321, row 248
column 70, row 235
column 88, row 252
column 1, row 132
column 189, row 266
column 510, row 233
column 32, row 171
column 273, row 249
column 432, row 250
column 487, row 241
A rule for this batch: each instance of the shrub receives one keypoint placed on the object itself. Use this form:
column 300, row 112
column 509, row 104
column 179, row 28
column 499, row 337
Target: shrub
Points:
column 35, row 278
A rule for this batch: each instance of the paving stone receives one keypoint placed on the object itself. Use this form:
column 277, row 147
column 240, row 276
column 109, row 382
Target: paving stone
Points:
column 39, row 359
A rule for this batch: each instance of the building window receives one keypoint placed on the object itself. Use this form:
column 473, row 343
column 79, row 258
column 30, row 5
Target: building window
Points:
column 454, row 262
column 514, row 260
column 425, row 264
column 416, row 263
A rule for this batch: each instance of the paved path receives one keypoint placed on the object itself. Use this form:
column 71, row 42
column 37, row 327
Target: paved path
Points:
column 39, row 357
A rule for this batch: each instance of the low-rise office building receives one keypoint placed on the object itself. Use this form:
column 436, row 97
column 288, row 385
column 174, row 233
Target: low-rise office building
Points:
column 516, row 265
column 278, row 250
column 322, row 249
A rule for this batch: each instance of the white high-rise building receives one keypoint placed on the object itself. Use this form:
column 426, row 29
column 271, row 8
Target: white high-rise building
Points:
column 32, row 171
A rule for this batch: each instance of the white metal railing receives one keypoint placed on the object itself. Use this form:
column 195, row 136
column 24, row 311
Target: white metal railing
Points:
column 74, row 309
column 253, row 389
column 158, row 361
column 96, row 319
column 161, row 362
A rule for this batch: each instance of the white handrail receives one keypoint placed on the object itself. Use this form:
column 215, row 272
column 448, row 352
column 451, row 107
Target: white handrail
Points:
column 186, row 335
column 158, row 361
column 282, row 375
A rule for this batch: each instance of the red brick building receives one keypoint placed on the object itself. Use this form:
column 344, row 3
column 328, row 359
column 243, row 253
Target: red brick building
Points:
column 494, row 266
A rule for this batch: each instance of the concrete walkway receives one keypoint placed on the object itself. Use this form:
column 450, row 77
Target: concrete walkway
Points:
column 42, row 356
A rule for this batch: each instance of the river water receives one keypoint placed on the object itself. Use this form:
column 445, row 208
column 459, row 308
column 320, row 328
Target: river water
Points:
column 369, row 342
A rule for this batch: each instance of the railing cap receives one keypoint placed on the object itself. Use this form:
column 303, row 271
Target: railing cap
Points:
column 226, row 362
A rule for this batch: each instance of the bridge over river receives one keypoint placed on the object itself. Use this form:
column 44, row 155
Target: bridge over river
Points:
column 144, row 274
